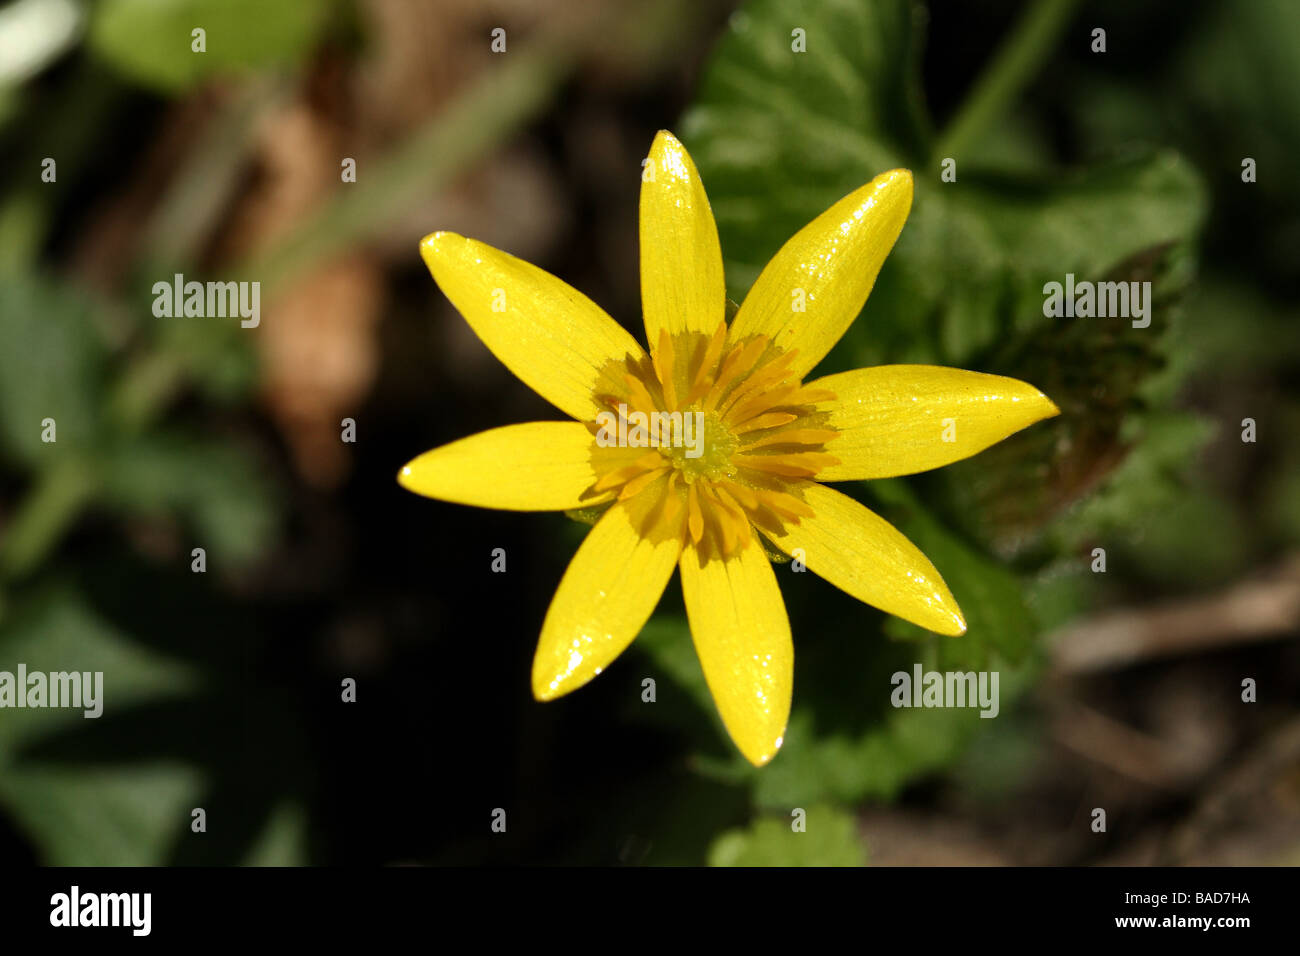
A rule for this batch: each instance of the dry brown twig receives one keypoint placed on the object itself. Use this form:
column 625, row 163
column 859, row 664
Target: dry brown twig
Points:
column 1264, row 608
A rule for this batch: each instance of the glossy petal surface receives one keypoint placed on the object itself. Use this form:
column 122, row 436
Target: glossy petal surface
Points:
column 742, row 637
column 682, row 288
column 766, row 437
column 539, row 466
column 861, row 553
column 607, row 594
column 550, row 335
column 902, row 419
column 827, row 269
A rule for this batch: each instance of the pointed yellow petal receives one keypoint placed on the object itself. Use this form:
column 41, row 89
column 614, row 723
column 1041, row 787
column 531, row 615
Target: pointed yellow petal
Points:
column 901, row 419
column 550, row 335
column 828, row 268
column 607, row 594
column 860, row 552
column 540, row 466
column 742, row 637
column 681, row 262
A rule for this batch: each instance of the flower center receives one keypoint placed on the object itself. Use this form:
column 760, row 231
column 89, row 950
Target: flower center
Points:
column 723, row 438
column 708, row 452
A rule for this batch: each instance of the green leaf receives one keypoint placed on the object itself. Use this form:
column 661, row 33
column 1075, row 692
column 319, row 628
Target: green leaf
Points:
column 666, row 639
column 284, row 841
column 1086, row 221
column 1063, row 591
column 840, row 765
column 1150, row 505
column 89, row 815
column 998, row 623
column 1101, row 373
column 51, row 366
column 226, row 501
column 845, row 742
column 151, row 40
column 777, row 133
column 215, row 356
column 683, row 703
column 830, row 839
column 779, row 136
column 102, row 816
column 1242, row 64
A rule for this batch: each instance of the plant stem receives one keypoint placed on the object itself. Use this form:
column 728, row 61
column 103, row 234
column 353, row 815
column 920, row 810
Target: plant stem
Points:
column 44, row 515
column 494, row 107
column 144, row 388
column 1017, row 61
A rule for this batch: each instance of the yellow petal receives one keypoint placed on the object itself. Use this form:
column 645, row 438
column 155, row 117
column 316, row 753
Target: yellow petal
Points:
column 901, row 419
column 555, row 339
column 827, row 269
column 607, row 594
column 540, row 466
column 860, row 552
column 742, row 637
column 681, row 262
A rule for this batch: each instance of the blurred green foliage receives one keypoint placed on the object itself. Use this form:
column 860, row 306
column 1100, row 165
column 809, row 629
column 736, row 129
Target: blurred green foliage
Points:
column 151, row 40
column 830, row 839
column 56, row 368
column 778, row 137
column 89, row 815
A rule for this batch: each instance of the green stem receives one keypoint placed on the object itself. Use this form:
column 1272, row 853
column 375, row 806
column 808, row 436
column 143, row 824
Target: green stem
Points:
column 63, row 491
column 517, row 88
column 497, row 105
column 144, row 389
column 201, row 193
column 1017, row 61
column 44, row 515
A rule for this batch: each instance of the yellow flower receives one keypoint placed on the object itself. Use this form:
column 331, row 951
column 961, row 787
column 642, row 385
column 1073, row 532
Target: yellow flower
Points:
column 768, row 438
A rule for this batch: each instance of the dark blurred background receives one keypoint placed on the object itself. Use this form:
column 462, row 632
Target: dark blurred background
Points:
column 1120, row 690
